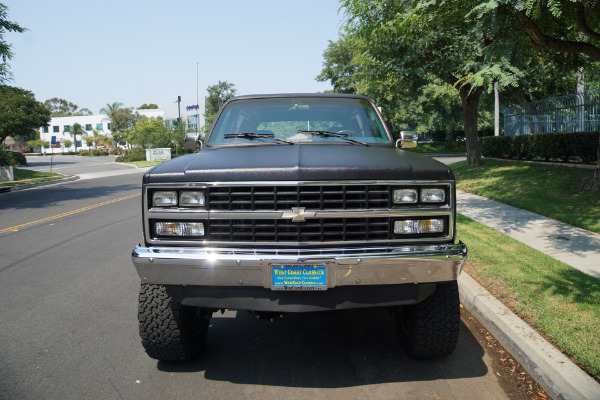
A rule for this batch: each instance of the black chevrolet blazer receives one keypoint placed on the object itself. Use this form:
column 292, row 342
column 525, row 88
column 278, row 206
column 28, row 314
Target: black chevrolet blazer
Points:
column 298, row 202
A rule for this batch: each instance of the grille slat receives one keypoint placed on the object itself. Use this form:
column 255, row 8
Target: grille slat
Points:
column 350, row 197
column 328, row 229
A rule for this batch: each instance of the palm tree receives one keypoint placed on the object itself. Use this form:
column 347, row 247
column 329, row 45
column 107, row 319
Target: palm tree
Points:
column 111, row 109
column 76, row 130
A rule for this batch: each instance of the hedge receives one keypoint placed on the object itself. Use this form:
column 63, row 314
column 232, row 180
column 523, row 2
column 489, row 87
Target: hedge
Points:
column 546, row 146
column 12, row 158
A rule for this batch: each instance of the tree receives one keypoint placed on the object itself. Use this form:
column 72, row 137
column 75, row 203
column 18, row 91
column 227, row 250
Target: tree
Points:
column 20, row 113
column 150, row 106
column 217, row 95
column 111, row 109
column 67, row 143
column 121, row 119
column 339, row 67
column 89, row 140
column 63, row 108
column 413, row 41
column 561, row 26
column 150, row 133
column 76, row 129
column 570, row 26
column 5, row 48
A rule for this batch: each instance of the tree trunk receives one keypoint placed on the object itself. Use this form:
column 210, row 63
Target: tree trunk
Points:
column 470, row 105
column 450, row 139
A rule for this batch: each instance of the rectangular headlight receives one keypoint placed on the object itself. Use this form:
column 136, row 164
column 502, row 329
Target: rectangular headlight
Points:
column 404, row 196
column 191, row 199
column 164, row 198
column 434, row 195
column 417, row 226
column 179, row 229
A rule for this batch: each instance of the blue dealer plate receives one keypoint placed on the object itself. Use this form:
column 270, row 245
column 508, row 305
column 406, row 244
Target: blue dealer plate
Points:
column 299, row 276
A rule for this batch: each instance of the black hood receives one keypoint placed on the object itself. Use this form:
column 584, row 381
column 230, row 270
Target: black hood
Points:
column 299, row 163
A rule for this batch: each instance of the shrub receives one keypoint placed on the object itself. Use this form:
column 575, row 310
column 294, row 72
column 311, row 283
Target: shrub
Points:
column 115, row 151
column 99, row 152
column 135, row 154
column 546, row 146
column 17, row 158
column 84, row 153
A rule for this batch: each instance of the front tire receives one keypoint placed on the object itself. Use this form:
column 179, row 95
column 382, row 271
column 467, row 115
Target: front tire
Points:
column 169, row 330
column 429, row 329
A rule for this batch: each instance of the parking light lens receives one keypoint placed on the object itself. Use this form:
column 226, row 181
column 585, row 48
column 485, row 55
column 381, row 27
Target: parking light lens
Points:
column 405, row 196
column 418, row 226
column 164, row 199
column 186, row 229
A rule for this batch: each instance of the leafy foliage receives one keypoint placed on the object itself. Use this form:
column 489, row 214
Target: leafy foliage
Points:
column 545, row 146
column 8, row 158
column 76, row 130
column 63, row 108
column 150, row 133
column 217, row 95
column 150, row 106
column 339, row 67
column 5, row 48
column 20, row 113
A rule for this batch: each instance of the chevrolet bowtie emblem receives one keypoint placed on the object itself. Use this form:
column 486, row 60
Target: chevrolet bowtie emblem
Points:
column 298, row 214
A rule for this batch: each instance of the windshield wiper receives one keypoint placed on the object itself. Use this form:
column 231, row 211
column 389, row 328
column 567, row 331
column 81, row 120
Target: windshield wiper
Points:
column 335, row 134
column 253, row 135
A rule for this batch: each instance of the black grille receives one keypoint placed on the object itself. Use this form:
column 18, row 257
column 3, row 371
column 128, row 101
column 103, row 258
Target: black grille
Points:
column 347, row 197
column 318, row 230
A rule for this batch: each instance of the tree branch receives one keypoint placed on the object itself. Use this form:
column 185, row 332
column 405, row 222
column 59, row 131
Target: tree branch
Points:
column 583, row 25
column 538, row 38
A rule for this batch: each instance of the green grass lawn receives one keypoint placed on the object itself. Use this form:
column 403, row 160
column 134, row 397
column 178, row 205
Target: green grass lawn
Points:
column 439, row 148
column 552, row 191
column 144, row 164
column 559, row 300
column 24, row 176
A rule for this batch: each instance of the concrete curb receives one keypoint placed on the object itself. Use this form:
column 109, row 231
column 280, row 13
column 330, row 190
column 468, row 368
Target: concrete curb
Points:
column 558, row 375
column 35, row 185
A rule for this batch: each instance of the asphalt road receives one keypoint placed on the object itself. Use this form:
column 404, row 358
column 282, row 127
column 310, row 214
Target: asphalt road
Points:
column 68, row 322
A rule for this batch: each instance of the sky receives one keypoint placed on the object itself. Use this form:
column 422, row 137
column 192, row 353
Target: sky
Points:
column 96, row 52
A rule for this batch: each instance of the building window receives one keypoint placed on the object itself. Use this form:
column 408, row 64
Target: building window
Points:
column 67, row 128
column 192, row 122
column 79, row 143
column 108, row 126
column 88, row 127
column 99, row 127
column 55, row 129
column 45, row 129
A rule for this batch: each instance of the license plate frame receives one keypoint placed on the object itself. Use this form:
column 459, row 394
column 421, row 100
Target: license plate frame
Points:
column 299, row 276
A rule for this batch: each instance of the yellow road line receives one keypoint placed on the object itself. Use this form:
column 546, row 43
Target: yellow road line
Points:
column 66, row 214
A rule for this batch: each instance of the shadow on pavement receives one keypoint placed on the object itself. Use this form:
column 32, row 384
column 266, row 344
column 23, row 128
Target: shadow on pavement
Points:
column 52, row 195
column 322, row 350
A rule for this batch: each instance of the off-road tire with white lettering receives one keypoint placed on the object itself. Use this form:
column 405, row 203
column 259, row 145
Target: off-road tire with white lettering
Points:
column 170, row 331
column 429, row 329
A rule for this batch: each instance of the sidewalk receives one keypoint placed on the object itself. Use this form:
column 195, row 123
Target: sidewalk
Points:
column 560, row 377
column 576, row 247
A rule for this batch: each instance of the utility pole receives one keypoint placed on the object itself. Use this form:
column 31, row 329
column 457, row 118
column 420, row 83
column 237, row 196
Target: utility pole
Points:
column 580, row 118
column 496, row 109
column 179, row 109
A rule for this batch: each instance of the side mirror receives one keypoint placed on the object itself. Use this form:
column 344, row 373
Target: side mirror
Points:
column 408, row 140
column 192, row 141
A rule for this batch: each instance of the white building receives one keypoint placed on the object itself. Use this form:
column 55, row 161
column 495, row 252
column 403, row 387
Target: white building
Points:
column 60, row 127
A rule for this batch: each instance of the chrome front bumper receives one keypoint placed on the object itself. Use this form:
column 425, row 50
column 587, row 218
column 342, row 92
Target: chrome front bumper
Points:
column 253, row 268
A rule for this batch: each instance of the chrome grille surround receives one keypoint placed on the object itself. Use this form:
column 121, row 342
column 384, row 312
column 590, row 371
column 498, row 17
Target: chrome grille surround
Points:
column 299, row 214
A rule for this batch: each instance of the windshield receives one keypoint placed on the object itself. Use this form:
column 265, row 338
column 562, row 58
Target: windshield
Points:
column 298, row 120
